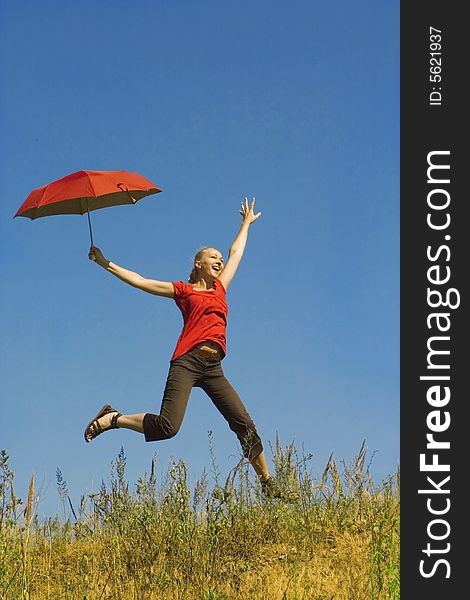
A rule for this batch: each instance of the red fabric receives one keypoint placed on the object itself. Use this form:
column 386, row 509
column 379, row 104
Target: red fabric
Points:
column 204, row 314
column 86, row 190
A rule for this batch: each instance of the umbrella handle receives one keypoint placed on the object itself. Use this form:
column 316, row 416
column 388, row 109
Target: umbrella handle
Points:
column 89, row 226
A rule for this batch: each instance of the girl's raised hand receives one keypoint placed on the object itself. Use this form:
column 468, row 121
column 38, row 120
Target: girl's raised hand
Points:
column 248, row 211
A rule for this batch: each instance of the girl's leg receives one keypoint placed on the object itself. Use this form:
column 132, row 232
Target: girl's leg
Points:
column 228, row 402
column 181, row 377
column 134, row 422
column 260, row 466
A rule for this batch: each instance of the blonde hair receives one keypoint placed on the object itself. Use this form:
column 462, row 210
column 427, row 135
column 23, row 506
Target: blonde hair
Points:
column 194, row 274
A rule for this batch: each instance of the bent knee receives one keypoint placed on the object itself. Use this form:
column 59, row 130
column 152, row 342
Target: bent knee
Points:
column 169, row 428
column 158, row 428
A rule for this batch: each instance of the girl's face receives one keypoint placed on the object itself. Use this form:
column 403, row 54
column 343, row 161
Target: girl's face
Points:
column 211, row 264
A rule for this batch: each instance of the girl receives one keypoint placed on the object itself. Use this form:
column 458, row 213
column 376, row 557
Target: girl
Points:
column 196, row 360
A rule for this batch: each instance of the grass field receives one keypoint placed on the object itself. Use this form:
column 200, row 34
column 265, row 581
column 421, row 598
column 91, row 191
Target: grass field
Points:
column 220, row 541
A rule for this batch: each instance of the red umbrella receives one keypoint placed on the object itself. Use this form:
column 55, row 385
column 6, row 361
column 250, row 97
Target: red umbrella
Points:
column 84, row 191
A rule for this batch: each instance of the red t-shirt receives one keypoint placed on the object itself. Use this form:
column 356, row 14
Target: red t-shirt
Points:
column 204, row 315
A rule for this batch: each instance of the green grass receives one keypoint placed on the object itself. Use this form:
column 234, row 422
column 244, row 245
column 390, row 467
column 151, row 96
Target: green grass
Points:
column 221, row 540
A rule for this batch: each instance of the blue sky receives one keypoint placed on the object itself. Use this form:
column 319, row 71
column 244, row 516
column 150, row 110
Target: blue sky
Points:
column 296, row 104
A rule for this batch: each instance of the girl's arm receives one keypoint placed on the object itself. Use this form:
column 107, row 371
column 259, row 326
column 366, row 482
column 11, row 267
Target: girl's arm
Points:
column 238, row 246
column 152, row 286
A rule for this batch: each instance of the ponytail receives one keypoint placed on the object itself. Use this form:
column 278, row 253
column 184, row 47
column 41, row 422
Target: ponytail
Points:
column 194, row 273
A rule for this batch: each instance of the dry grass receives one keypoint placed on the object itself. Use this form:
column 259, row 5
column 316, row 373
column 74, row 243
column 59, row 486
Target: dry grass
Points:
column 217, row 542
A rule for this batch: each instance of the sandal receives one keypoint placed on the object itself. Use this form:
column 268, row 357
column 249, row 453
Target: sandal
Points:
column 271, row 489
column 93, row 429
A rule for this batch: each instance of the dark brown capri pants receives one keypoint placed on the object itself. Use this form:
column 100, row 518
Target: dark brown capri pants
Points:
column 192, row 370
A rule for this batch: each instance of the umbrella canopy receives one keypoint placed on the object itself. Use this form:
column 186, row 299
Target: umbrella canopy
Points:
column 85, row 191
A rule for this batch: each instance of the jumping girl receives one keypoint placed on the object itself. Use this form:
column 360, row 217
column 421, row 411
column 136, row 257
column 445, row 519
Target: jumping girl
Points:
column 196, row 360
